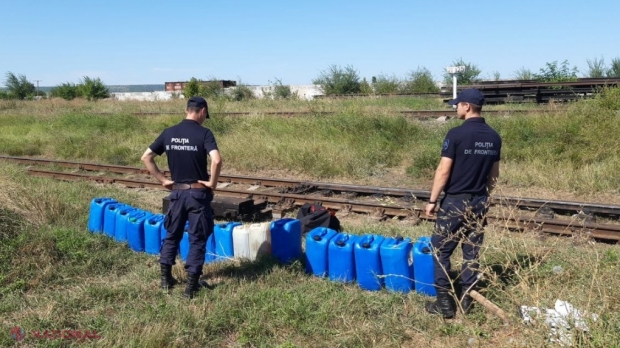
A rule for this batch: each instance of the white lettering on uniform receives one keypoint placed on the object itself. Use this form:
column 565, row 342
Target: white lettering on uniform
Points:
column 179, row 140
column 184, row 147
column 486, row 145
column 485, row 152
column 468, row 151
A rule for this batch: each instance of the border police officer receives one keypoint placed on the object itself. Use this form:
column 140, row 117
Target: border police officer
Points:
column 467, row 173
column 187, row 145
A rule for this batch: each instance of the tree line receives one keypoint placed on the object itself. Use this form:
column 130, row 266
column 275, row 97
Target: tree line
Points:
column 18, row 87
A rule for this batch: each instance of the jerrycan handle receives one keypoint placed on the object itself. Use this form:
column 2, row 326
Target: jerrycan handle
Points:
column 320, row 235
column 342, row 239
column 399, row 239
column 426, row 250
column 367, row 241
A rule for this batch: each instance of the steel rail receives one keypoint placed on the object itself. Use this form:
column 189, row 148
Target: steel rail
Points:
column 571, row 207
column 559, row 227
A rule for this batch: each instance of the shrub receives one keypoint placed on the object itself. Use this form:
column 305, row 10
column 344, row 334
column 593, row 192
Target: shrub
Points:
column 554, row 73
column 337, row 80
column 420, row 81
column 281, row 91
column 467, row 77
column 614, row 69
column 241, row 92
column 93, row 89
column 524, row 74
column 365, row 87
column 206, row 89
column 386, row 84
column 596, row 68
column 18, row 86
column 67, row 91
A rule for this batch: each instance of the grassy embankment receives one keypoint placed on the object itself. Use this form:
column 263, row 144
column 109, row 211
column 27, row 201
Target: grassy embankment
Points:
column 55, row 275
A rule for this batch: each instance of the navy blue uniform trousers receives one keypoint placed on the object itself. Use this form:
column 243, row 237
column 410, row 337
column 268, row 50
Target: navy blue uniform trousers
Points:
column 193, row 205
column 459, row 220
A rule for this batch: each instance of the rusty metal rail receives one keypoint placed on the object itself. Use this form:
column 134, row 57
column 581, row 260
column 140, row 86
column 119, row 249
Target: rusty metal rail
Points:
column 379, row 210
column 547, row 207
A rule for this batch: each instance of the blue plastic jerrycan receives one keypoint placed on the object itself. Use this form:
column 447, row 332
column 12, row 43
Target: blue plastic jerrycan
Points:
column 317, row 241
column 286, row 240
column 152, row 234
column 341, row 259
column 223, row 238
column 120, row 222
column 96, row 215
column 397, row 264
column 424, row 266
column 109, row 218
column 135, row 230
column 368, row 262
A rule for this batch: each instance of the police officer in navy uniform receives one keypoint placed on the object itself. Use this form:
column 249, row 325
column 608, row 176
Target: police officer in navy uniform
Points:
column 187, row 146
column 467, row 173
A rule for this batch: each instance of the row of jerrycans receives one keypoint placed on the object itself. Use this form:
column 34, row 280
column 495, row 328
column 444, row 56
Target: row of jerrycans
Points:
column 144, row 232
column 373, row 261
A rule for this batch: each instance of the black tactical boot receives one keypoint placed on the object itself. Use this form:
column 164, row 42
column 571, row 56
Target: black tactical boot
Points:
column 167, row 281
column 194, row 284
column 443, row 305
column 466, row 303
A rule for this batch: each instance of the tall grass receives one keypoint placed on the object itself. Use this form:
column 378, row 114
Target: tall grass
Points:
column 572, row 151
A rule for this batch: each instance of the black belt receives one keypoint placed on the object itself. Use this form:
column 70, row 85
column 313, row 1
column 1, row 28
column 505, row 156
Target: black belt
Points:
column 467, row 196
column 195, row 185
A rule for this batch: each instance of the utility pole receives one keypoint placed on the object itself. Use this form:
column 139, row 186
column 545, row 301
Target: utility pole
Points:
column 37, row 86
column 454, row 70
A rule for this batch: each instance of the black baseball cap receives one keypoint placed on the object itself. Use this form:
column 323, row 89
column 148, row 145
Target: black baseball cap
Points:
column 470, row 95
column 198, row 102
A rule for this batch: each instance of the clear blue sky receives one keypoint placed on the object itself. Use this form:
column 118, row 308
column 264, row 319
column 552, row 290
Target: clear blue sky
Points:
column 151, row 42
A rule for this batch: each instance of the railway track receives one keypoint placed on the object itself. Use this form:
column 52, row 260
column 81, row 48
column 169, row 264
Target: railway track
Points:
column 421, row 114
column 547, row 208
column 283, row 195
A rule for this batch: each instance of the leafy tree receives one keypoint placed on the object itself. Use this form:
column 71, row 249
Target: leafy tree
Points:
column 524, row 74
column 467, row 77
column 67, row 91
column 338, row 80
column 192, row 88
column 420, row 81
column 281, row 91
column 496, row 76
column 241, row 92
column 384, row 84
column 596, row 68
column 93, row 89
column 614, row 69
column 365, row 87
column 554, row 73
column 206, row 89
column 18, row 86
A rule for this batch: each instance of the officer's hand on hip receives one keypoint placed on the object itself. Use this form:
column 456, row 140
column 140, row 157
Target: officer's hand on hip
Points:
column 207, row 184
column 430, row 209
column 167, row 184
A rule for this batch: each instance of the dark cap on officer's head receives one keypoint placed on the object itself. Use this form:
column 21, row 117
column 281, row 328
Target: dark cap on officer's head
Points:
column 470, row 95
column 198, row 102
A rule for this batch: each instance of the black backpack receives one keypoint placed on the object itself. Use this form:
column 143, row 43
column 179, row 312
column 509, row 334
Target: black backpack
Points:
column 314, row 215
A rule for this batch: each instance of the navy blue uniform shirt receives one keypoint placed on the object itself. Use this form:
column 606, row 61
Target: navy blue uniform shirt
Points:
column 473, row 146
column 187, row 145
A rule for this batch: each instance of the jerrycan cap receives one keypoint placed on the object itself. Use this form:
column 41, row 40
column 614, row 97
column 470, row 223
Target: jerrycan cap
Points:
column 316, row 237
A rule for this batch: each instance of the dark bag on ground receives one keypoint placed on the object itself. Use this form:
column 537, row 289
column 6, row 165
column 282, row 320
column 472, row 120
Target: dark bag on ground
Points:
column 314, row 215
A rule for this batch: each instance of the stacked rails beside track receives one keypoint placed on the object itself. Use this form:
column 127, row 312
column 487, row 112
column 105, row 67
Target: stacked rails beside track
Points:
column 498, row 92
column 400, row 202
column 511, row 91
